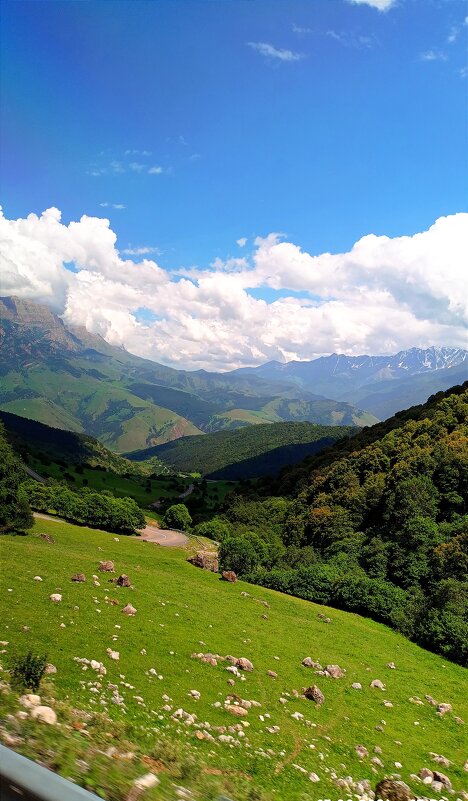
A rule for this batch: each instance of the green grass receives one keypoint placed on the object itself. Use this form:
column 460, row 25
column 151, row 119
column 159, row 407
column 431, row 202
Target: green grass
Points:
column 182, row 609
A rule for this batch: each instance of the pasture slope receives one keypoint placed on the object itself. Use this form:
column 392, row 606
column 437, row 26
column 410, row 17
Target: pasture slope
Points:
column 182, row 610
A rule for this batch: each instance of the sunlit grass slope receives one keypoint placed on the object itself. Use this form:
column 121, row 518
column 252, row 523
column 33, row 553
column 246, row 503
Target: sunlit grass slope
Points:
column 180, row 610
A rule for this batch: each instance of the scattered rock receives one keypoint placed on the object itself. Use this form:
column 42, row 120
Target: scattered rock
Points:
column 314, row 694
column 441, row 760
column 356, row 685
column 30, row 700
column 129, row 610
column 443, row 779
column 37, row 578
column 389, row 790
column 442, row 709
column 244, row 664
column 335, row 671
column 426, row 775
column 147, row 781
column 50, row 669
column 79, row 577
column 272, row 674
column 229, row 575
column 309, row 662
column 361, row 751
column 56, row 597
column 45, row 714
column 113, row 654
column 391, row 665
column 123, row 581
column 377, row 684
column 313, row 777
column 239, row 711
column 106, row 567
column 48, row 538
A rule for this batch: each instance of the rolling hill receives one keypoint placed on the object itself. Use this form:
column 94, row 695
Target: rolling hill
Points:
column 247, row 452
column 71, row 379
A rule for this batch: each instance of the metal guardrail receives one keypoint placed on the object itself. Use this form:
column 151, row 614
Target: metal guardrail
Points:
column 24, row 780
column 21, row 779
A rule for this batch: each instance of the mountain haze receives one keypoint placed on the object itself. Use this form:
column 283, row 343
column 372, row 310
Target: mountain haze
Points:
column 71, row 379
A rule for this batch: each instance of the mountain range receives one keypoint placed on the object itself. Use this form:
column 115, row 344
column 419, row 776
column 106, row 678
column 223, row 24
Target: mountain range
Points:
column 380, row 384
column 71, row 379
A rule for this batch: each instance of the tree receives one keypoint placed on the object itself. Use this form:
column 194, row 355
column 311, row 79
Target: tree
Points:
column 15, row 513
column 238, row 554
column 178, row 517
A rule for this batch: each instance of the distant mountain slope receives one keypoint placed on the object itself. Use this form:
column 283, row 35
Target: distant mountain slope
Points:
column 380, row 384
column 33, row 440
column 246, row 453
column 70, row 379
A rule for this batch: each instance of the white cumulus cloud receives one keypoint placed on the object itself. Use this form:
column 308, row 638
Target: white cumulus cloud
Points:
column 382, row 295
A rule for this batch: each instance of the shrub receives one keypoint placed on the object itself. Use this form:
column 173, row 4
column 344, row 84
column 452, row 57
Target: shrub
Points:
column 27, row 670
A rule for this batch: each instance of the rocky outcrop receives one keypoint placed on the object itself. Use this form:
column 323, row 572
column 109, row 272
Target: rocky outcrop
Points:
column 206, row 560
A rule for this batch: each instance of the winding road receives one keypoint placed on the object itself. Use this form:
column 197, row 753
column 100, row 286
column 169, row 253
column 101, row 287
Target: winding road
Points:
column 166, row 537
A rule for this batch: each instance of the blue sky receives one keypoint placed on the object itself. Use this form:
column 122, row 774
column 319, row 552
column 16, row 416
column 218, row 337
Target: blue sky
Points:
column 362, row 133
column 192, row 126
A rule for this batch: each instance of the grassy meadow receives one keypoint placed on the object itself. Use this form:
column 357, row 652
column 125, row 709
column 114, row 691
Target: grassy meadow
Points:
column 182, row 609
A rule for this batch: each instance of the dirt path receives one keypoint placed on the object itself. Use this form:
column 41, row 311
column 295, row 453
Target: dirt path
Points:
column 166, row 537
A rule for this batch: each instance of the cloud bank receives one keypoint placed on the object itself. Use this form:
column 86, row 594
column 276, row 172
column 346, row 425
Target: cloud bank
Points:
column 277, row 302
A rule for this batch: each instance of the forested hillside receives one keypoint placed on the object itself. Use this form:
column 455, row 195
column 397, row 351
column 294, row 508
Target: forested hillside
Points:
column 247, row 452
column 377, row 525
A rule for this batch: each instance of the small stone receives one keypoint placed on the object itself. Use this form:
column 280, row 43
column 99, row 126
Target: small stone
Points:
column 56, row 597
column 244, row 664
column 313, row 777
column 37, row 578
column 147, row 781
column 45, row 714
column 106, row 567
column 129, row 610
column 30, row 700
column 229, row 575
column 78, row 577
column 377, row 684
column 356, row 685
column 50, row 669
column 361, row 751
column 239, row 711
column 272, row 674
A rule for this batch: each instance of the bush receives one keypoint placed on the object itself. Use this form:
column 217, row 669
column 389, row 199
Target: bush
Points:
column 27, row 670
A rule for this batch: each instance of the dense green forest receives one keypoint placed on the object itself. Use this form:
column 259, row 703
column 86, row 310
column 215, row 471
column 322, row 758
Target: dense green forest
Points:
column 247, row 452
column 15, row 514
column 377, row 525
